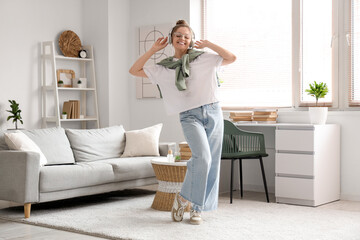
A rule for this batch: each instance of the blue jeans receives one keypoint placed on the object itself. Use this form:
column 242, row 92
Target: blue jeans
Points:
column 203, row 128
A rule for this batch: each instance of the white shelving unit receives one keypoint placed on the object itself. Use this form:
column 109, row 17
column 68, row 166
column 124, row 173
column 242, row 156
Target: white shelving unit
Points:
column 84, row 68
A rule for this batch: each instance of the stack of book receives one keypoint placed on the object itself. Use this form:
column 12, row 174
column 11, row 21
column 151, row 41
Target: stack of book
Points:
column 265, row 116
column 185, row 152
column 241, row 116
column 72, row 109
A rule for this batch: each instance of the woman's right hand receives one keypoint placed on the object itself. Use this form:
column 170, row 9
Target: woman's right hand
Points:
column 160, row 43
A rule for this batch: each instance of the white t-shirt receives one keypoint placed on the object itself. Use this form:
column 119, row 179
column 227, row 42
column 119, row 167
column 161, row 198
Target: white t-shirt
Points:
column 201, row 84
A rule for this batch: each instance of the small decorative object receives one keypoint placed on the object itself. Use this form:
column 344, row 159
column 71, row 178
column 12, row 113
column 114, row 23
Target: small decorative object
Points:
column 318, row 115
column 64, row 115
column 65, row 75
column 177, row 157
column 82, row 53
column 170, row 156
column 79, row 84
column 69, row 44
column 60, row 83
column 16, row 113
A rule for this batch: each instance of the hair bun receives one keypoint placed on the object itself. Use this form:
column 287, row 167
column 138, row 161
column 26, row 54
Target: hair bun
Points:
column 182, row 22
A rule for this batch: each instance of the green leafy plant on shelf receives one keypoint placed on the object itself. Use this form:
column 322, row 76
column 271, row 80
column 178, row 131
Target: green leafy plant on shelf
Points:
column 317, row 90
column 16, row 113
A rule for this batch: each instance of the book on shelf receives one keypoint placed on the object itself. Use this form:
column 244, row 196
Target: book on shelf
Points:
column 185, row 157
column 68, row 108
column 183, row 145
column 72, row 109
column 241, row 114
column 264, row 112
column 76, row 109
column 243, row 118
column 186, row 154
column 265, row 119
column 186, row 149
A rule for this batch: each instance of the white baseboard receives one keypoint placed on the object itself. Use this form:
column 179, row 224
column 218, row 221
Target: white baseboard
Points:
column 253, row 188
column 349, row 197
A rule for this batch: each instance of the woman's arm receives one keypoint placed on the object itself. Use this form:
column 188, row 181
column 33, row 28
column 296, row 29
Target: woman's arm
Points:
column 225, row 54
column 137, row 68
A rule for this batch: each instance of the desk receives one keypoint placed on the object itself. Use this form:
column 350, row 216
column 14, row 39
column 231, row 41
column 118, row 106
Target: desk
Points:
column 307, row 161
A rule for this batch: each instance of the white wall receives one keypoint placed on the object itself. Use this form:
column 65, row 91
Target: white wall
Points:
column 146, row 112
column 119, row 64
column 23, row 25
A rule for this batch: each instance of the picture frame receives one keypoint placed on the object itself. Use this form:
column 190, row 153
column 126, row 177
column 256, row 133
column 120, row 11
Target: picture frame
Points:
column 66, row 75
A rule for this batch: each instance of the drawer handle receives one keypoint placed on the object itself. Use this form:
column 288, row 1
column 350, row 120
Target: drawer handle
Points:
column 294, row 176
column 296, row 152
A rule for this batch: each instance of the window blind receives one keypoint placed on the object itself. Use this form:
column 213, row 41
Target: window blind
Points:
column 354, row 42
column 259, row 33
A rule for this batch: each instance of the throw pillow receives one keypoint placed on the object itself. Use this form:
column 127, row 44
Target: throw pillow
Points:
column 3, row 145
column 96, row 144
column 143, row 142
column 54, row 143
column 19, row 141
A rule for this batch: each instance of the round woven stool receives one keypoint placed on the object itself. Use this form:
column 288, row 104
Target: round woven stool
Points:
column 170, row 177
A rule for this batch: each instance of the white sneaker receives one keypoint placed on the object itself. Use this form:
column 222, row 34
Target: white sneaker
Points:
column 195, row 217
column 178, row 208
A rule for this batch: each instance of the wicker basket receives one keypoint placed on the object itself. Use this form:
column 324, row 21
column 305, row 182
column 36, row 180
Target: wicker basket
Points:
column 172, row 174
column 69, row 44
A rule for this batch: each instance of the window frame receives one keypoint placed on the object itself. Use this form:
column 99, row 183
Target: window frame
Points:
column 297, row 74
column 347, row 48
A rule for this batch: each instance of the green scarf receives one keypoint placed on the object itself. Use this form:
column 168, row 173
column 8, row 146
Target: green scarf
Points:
column 181, row 66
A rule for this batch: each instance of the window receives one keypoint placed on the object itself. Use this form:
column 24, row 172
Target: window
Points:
column 281, row 46
column 316, row 46
column 354, row 41
column 259, row 33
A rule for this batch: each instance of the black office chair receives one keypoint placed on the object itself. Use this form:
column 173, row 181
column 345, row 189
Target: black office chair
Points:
column 239, row 145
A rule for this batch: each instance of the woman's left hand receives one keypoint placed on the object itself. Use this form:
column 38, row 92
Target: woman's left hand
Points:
column 202, row 44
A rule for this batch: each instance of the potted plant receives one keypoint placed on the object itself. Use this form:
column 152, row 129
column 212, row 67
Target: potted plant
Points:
column 16, row 113
column 60, row 83
column 64, row 115
column 318, row 115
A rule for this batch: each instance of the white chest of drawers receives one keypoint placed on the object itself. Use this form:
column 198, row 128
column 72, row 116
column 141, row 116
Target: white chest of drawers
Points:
column 307, row 165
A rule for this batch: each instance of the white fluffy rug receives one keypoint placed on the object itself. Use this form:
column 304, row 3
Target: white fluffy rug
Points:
column 127, row 215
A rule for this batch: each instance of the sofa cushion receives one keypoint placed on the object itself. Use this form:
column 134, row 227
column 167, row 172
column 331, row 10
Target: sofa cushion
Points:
column 53, row 143
column 143, row 142
column 96, row 144
column 19, row 141
column 131, row 168
column 65, row 177
column 3, row 145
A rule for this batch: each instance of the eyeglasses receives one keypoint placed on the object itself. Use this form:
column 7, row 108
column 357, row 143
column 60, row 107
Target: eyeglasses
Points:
column 180, row 35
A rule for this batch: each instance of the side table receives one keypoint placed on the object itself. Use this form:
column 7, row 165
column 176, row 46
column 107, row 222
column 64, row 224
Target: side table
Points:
column 170, row 177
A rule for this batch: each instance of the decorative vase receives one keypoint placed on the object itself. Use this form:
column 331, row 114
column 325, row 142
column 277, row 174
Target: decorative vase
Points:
column 318, row 115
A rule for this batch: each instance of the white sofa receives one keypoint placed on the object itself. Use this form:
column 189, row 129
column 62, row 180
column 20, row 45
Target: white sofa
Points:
column 79, row 163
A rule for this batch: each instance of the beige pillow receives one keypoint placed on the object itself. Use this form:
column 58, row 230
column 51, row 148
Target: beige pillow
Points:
column 19, row 141
column 143, row 142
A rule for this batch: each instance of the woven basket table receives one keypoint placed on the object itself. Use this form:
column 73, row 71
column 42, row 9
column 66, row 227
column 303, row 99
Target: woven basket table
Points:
column 170, row 177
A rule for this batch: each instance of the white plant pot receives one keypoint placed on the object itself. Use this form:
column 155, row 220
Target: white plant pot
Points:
column 64, row 116
column 318, row 115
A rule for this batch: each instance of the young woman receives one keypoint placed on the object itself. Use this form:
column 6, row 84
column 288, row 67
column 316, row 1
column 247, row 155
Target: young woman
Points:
column 188, row 83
